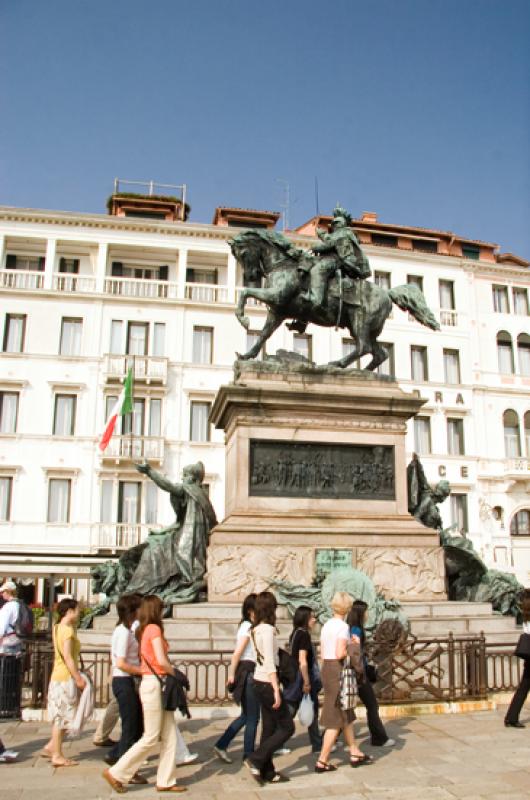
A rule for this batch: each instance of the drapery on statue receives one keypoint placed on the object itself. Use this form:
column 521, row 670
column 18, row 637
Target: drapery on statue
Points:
column 468, row 577
column 424, row 498
column 327, row 287
column 171, row 563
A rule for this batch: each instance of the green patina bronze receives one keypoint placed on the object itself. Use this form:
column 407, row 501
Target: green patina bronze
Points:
column 171, row 563
column 327, row 287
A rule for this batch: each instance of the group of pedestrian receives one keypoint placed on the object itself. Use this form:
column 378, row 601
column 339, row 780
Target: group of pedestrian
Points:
column 255, row 680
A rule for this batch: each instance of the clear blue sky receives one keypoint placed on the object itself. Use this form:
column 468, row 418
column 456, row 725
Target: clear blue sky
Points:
column 416, row 109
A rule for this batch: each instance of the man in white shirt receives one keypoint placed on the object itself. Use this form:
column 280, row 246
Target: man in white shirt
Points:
column 10, row 643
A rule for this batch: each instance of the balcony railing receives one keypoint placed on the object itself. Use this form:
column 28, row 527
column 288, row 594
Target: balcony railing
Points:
column 146, row 368
column 149, row 448
column 21, row 279
column 118, row 535
column 448, row 317
column 518, row 465
column 206, row 293
column 67, row 282
column 137, row 287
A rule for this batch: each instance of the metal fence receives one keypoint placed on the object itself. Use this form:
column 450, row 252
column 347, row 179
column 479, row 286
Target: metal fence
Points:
column 447, row 669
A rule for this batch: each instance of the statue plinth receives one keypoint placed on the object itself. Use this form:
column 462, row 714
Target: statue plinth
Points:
column 315, row 460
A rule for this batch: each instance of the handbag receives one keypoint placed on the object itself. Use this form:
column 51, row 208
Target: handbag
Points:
column 347, row 699
column 173, row 687
column 522, row 649
column 306, row 712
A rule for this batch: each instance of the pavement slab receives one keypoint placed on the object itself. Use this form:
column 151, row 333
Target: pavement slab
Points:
column 465, row 757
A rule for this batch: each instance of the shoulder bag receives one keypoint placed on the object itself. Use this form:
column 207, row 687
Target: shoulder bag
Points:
column 522, row 649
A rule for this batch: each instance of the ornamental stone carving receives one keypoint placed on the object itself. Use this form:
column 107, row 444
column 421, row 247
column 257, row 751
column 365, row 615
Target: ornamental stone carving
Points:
column 406, row 573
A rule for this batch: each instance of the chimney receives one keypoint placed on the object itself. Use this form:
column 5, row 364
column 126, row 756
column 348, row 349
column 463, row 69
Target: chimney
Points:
column 369, row 216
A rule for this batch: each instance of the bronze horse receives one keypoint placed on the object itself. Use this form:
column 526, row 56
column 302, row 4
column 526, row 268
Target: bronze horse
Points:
column 360, row 306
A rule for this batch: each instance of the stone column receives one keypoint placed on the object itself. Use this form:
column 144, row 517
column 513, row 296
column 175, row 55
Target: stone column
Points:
column 49, row 266
column 101, row 267
column 2, row 251
column 231, row 279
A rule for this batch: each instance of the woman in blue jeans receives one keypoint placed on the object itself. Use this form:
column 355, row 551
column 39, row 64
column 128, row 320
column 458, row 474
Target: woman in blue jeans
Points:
column 241, row 684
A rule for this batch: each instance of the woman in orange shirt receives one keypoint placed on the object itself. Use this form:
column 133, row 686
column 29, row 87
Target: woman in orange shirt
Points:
column 159, row 724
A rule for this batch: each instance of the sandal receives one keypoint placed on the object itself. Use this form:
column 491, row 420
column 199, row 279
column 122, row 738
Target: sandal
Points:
column 360, row 761
column 173, row 788
column 323, row 766
column 116, row 785
column 67, row 762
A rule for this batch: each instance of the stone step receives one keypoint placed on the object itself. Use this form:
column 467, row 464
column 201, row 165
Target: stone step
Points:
column 446, row 608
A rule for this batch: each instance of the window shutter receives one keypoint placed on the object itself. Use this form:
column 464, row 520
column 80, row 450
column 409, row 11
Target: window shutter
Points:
column 163, row 273
column 190, row 275
column 11, row 262
column 62, row 265
column 76, row 266
column 215, row 277
column 42, row 262
column 117, row 269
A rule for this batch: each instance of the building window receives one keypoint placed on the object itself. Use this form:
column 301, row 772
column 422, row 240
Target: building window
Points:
column 6, row 489
column 14, row 333
column 512, row 441
column 303, row 345
column 384, row 240
column 523, row 354
column 8, row 412
column 59, row 490
column 133, row 424
column 388, row 367
column 422, row 435
column 419, row 369
column 520, row 301
column 202, row 345
column 455, row 437
column 105, row 509
column 382, row 279
column 155, row 416
column 447, row 295
column 416, row 280
column 459, row 512
column 520, row 525
column 29, row 263
column 348, row 346
column 151, row 503
column 129, row 502
column 252, row 338
column 116, row 337
column 425, row 245
column 64, row 414
column 137, row 338
column 505, row 353
column 527, row 433
column 71, row 329
column 199, row 425
column 471, row 251
column 451, row 366
column 500, row 299
column 159, row 339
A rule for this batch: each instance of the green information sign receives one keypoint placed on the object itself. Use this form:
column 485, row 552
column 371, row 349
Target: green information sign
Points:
column 326, row 560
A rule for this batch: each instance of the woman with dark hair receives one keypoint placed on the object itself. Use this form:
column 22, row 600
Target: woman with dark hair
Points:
column 303, row 652
column 511, row 719
column 66, row 681
column 159, row 724
column 278, row 725
column 356, row 620
column 241, row 684
column 125, row 659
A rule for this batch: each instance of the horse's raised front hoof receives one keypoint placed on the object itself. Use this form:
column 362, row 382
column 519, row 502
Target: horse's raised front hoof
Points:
column 244, row 357
column 336, row 364
column 245, row 322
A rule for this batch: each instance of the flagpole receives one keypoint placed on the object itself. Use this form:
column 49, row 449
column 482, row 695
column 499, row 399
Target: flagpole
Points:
column 132, row 397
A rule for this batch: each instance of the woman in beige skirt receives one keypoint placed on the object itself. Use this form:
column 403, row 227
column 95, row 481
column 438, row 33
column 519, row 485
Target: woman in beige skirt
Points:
column 334, row 641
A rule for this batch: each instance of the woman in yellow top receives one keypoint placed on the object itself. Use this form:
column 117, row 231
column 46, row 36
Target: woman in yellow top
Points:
column 66, row 681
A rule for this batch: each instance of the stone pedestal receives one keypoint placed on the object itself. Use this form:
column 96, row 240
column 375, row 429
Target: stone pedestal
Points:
column 315, row 459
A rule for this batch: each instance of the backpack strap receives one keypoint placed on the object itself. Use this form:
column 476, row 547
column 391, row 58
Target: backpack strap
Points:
column 259, row 657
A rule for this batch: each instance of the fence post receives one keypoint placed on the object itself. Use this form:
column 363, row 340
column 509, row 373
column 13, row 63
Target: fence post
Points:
column 482, row 667
column 451, row 666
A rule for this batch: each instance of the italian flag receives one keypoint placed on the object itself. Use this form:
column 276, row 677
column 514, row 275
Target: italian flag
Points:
column 123, row 405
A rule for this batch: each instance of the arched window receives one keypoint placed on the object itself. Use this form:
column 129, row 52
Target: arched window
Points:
column 523, row 353
column 512, row 441
column 527, row 433
column 505, row 353
column 520, row 525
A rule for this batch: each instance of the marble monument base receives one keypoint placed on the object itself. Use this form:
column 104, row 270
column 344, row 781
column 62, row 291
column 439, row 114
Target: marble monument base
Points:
column 316, row 470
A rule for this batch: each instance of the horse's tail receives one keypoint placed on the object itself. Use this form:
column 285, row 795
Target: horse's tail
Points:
column 409, row 298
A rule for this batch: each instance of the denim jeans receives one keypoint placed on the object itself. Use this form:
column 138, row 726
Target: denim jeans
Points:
column 249, row 718
column 124, row 691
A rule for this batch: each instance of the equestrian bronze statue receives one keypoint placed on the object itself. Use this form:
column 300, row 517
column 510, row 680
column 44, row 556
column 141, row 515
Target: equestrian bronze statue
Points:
column 327, row 286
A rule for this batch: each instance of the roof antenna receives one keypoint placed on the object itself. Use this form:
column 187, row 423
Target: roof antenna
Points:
column 316, row 197
column 286, row 205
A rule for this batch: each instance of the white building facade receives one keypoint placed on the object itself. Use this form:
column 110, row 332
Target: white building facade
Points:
column 83, row 297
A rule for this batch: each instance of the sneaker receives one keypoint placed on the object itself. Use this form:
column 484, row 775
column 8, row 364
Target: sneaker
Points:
column 283, row 751
column 222, row 754
column 189, row 759
column 389, row 743
column 254, row 771
column 8, row 756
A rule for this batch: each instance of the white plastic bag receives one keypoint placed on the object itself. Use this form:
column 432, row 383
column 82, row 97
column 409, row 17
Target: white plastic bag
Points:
column 306, row 712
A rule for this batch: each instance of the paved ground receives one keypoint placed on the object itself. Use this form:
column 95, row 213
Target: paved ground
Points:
column 449, row 757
